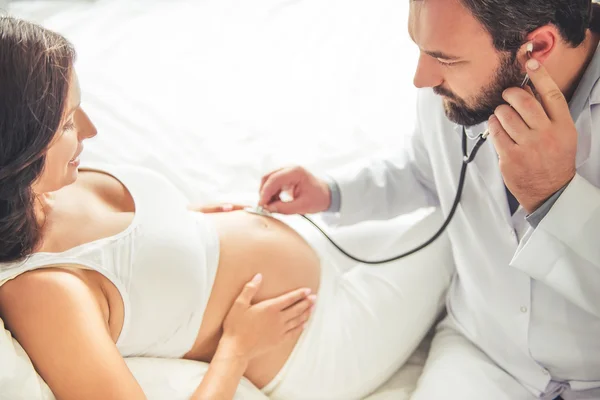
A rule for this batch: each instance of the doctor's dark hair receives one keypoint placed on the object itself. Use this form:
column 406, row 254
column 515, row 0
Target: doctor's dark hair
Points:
column 509, row 21
column 35, row 71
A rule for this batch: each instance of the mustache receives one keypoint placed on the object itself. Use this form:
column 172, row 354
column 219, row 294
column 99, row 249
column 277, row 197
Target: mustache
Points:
column 441, row 91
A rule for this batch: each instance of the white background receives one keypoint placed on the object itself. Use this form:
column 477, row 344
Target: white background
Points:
column 222, row 91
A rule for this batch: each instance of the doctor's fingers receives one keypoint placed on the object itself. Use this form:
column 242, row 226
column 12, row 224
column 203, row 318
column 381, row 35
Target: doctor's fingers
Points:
column 501, row 140
column 286, row 178
column 552, row 98
column 527, row 105
column 266, row 177
column 299, row 205
column 514, row 125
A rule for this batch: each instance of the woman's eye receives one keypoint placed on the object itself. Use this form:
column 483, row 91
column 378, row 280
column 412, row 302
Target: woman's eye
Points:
column 68, row 126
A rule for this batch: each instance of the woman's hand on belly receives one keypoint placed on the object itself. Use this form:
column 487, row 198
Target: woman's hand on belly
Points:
column 250, row 330
column 251, row 244
column 254, row 329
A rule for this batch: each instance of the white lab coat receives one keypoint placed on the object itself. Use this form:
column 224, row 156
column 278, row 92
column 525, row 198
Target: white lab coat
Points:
column 529, row 298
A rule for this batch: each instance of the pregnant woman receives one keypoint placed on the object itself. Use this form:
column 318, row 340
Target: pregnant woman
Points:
column 103, row 262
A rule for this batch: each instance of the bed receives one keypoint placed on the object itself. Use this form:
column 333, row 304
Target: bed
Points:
column 215, row 93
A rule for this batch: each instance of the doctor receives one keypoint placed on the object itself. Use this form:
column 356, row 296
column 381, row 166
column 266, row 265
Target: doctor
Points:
column 524, row 308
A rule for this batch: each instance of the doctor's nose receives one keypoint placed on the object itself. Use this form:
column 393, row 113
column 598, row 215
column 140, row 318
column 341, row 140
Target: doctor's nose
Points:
column 427, row 74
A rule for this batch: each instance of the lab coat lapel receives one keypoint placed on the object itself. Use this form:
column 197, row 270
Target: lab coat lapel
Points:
column 584, row 135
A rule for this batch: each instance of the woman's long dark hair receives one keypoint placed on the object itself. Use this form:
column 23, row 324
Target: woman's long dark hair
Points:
column 35, row 71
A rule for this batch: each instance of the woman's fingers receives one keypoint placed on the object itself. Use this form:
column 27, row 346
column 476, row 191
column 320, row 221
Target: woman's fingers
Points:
column 249, row 291
column 299, row 308
column 298, row 322
column 294, row 333
column 286, row 300
column 215, row 208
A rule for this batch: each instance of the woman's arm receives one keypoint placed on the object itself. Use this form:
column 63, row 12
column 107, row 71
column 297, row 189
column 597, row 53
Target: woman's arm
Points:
column 58, row 321
column 249, row 331
column 224, row 374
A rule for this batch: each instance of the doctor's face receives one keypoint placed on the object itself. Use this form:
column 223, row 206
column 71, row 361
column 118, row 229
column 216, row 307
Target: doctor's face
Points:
column 459, row 61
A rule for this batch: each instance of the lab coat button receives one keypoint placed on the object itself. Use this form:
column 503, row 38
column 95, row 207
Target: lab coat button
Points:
column 523, row 309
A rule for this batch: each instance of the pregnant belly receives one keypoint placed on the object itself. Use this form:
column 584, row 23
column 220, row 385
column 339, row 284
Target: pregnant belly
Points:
column 251, row 244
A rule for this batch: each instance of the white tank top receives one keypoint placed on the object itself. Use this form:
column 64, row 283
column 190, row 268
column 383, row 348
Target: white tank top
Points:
column 163, row 265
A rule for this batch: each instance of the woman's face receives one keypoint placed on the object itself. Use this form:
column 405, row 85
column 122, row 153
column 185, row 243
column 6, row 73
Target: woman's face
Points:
column 62, row 157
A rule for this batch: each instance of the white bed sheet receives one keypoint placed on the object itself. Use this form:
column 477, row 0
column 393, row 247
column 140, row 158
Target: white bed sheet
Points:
column 214, row 93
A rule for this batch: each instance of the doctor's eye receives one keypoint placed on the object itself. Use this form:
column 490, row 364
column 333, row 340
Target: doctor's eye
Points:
column 446, row 63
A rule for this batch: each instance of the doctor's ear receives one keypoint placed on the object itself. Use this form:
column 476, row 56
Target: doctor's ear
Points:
column 542, row 42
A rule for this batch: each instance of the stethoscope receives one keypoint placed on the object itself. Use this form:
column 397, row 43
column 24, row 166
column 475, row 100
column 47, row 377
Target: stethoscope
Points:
column 467, row 159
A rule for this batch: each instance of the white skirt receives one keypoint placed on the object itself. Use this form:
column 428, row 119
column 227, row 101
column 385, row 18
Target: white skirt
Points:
column 368, row 319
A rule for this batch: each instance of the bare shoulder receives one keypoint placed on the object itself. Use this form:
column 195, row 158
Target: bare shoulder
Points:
column 42, row 280
column 48, row 288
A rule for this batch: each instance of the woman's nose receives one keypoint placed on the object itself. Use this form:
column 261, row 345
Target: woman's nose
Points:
column 87, row 128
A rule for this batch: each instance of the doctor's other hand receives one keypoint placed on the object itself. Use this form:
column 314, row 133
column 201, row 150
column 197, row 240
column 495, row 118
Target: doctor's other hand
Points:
column 536, row 140
column 251, row 329
column 309, row 194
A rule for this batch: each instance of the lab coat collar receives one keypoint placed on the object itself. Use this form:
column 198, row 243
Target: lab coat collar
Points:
column 586, row 95
column 587, row 88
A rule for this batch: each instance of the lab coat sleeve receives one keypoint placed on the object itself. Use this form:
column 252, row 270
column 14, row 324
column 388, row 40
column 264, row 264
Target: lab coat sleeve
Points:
column 564, row 250
column 384, row 189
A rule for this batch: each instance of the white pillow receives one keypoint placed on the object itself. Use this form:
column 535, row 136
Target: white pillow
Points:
column 177, row 379
column 18, row 379
column 170, row 379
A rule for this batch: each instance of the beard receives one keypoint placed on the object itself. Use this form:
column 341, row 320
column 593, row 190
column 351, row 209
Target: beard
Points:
column 508, row 74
